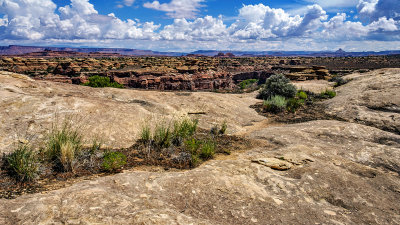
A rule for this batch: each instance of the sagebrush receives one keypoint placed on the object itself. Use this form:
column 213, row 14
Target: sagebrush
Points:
column 275, row 104
column 277, row 85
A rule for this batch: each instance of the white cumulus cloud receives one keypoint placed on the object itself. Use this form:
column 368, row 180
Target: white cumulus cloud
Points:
column 38, row 20
column 32, row 21
column 373, row 10
column 262, row 22
column 177, row 8
column 207, row 28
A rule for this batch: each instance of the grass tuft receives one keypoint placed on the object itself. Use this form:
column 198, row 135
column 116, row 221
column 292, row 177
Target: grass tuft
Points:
column 328, row 94
column 63, row 146
column 275, row 104
column 22, row 164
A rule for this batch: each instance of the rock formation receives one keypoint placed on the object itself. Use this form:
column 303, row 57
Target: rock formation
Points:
column 319, row 172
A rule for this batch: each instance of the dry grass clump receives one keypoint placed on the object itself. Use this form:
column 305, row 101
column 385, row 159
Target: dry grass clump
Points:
column 63, row 146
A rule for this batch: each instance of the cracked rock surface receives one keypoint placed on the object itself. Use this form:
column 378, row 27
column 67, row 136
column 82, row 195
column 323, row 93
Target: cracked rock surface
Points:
column 371, row 98
column 340, row 173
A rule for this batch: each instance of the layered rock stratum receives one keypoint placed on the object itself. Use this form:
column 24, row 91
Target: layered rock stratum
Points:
column 318, row 172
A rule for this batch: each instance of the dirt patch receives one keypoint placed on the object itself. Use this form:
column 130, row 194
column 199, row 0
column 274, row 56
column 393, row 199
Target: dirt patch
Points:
column 306, row 113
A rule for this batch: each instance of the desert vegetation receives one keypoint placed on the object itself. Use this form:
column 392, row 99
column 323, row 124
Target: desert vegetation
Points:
column 183, row 144
column 101, row 82
column 248, row 84
column 280, row 96
column 66, row 153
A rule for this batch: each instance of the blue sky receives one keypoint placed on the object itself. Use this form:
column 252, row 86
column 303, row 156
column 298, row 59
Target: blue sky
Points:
column 189, row 25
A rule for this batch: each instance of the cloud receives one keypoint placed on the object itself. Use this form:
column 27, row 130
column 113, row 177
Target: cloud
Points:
column 256, row 26
column 262, row 22
column 123, row 3
column 177, row 8
column 373, row 10
column 129, row 2
column 207, row 28
column 38, row 20
column 334, row 3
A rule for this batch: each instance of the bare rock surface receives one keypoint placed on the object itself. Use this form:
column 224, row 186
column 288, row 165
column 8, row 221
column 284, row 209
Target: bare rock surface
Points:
column 352, row 178
column 370, row 98
column 273, row 163
column 340, row 172
column 28, row 109
column 316, row 86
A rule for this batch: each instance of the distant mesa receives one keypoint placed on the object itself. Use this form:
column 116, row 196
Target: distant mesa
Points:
column 223, row 55
column 340, row 51
column 16, row 50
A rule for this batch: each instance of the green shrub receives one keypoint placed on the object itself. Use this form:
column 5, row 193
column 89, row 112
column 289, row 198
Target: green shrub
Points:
column 328, row 94
column 277, row 85
column 247, row 83
column 22, row 164
column 145, row 134
column 162, row 135
column 302, row 95
column 63, row 146
column 275, row 104
column 293, row 104
column 100, row 82
column 184, row 129
column 113, row 161
column 207, row 149
column 339, row 81
column 194, row 160
column 192, row 145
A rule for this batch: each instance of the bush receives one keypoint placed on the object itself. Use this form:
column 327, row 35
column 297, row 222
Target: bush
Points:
column 184, row 129
column 328, row 94
column 247, row 83
column 145, row 134
column 100, row 82
column 339, row 81
column 192, row 145
column 22, row 164
column 63, row 146
column 277, row 85
column 302, row 95
column 275, row 104
column 113, row 161
column 293, row 104
column 208, row 149
column 162, row 135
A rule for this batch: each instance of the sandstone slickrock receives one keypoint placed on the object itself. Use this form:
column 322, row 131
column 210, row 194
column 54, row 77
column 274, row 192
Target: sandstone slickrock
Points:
column 370, row 98
column 341, row 172
column 28, row 108
column 352, row 180
column 273, row 163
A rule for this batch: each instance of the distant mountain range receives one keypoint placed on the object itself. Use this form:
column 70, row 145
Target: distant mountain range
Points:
column 21, row 50
column 338, row 53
